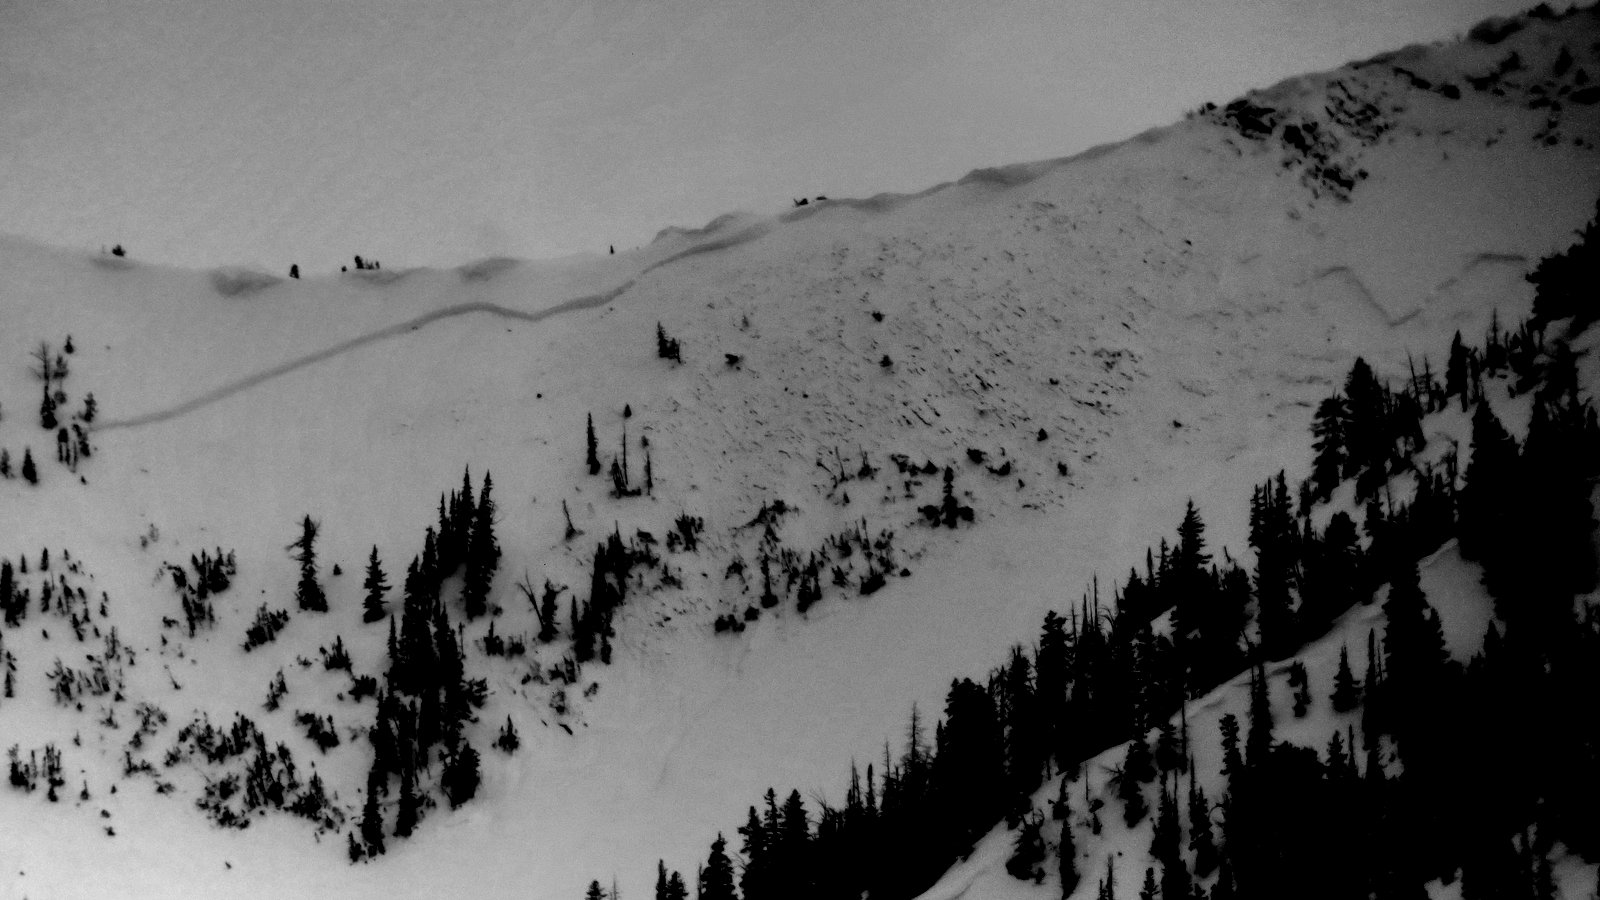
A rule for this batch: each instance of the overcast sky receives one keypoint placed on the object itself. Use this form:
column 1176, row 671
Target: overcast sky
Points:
column 214, row 132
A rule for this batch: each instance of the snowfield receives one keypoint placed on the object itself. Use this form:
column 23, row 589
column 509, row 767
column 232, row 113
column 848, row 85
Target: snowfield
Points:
column 1116, row 332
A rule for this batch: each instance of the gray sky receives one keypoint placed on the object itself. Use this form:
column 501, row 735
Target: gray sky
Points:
column 211, row 132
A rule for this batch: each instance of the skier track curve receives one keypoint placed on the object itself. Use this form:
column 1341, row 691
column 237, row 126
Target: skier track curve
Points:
column 588, row 301
column 392, row 331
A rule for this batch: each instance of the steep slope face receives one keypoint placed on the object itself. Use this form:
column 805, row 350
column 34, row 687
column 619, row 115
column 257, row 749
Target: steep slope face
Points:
column 1110, row 333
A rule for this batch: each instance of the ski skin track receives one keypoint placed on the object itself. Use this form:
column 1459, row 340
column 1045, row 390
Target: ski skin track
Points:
column 576, row 304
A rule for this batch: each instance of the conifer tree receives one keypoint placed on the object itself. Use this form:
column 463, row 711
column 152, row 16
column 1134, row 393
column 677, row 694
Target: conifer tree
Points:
column 483, row 554
column 1346, row 692
column 757, row 874
column 1300, row 680
column 1175, row 879
column 595, row 892
column 591, row 456
column 1201, row 842
column 417, row 664
column 1258, row 740
column 668, row 348
column 1232, row 760
column 716, row 880
column 29, row 472
column 1149, row 891
column 1329, row 465
column 1131, row 793
column 372, row 816
column 462, row 523
column 1067, row 862
column 1486, row 498
column 1028, row 852
column 508, row 739
column 1165, row 836
column 47, row 412
column 1455, row 373
column 1224, row 889
column 547, row 613
column 1139, row 764
column 308, row 593
column 436, row 557
column 1405, row 635
column 376, row 585
column 409, row 805
column 1366, row 436
column 1108, row 885
column 460, row 777
column 1564, row 282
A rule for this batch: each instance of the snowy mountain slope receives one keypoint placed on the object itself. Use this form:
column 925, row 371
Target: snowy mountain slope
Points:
column 1166, row 310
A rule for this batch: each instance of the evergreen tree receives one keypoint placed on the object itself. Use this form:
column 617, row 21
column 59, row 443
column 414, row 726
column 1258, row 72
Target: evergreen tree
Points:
column 371, row 815
column 591, row 456
column 483, row 554
column 595, row 892
column 462, row 524
column 1404, row 635
column 668, row 348
column 547, row 613
column 409, row 805
column 1258, row 740
column 29, row 472
column 1300, row 680
column 1175, row 879
column 1486, row 500
column 1330, row 463
column 1067, row 861
column 792, row 849
column 508, row 740
column 47, row 412
column 1139, row 764
column 1564, row 282
column 1201, row 842
column 1165, row 836
column 1232, row 760
column 1025, row 752
column 1027, row 852
column 460, row 777
column 308, row 593
column 376, row 585
column 1455, row 373
column 1346, row 691
column 1187, row 580
column 716, row 880
column 1051, row 677
column 1149, row 891
column 1108, row 885
column 1366, row 431
column 1131, row 793
column 757, row 874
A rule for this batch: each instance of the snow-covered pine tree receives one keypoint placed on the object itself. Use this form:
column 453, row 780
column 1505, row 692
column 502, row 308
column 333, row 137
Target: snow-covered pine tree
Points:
column 592, row 447
column 483, row 554
column 1346, row 691
column 376, row 584
column 308, row 593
